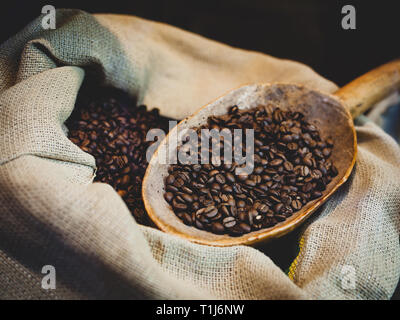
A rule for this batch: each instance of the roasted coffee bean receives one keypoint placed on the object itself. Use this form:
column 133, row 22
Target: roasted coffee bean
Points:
column 108, row 125
column 258, row 222
column 187, row 190
column 292, row 146
column 233, row 210
column 211, row 212
column 316, row 194
column 251, row 215
column 231, row 201
column 233, row 110
column 198, row 225
column 278, row 207
column 263, row 208
column 288, row 166
column 318, row 153
column 287, row 211
column 236, row 231
column 178, row 198
column 244, row 227
column 225, row 211
column 307, row 187
column 220, row 179
column 168, row 196
column 334, row 171
column 292, row 166
column 196, row 167
column 250, row 183
column 215, row 188
column 188, row 198
column 304, row 171
column 179, row 206
column 170, row 179
column 227, row 188
column 241, row 204
column 171, row 188
column 187, row 219
column 229, row 222
column 213, row 173
column 296, row 204
column 217, row 227
column 237, row 188
column 276, row 162
column 242, row 177
column 258, row 170
column 230, row 177
column 316, row 174
column 280, row 217
column 242, row 216
column 195, row 206
column 326, row 152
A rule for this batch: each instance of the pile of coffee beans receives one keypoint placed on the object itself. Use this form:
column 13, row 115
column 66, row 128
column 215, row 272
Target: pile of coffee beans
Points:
column 291, row 168
column 113, row 129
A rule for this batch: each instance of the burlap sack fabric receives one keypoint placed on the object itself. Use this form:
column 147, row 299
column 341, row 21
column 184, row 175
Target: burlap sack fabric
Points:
column 52, row 214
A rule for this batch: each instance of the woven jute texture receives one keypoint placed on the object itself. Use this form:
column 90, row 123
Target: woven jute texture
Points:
column 51, row 212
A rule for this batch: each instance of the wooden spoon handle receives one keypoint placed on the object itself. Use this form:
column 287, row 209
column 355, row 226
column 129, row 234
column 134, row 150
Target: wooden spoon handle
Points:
column 363, row 92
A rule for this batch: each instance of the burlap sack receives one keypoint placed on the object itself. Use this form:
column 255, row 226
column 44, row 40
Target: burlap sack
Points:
column 52, row 214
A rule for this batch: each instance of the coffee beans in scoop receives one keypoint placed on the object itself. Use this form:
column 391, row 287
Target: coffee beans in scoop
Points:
column 109, row 126
column 292, row 167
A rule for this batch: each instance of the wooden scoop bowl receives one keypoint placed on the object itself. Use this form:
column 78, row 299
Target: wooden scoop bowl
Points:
column 332, row 115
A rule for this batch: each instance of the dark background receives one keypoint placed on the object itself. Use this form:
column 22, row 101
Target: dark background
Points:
column 308, row 31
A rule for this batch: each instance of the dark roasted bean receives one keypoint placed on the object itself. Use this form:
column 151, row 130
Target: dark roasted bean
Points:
column 296, row 204
column 242, row 216
column 326, row 152
column 179, row 183
column 230, row 177
column 251, row 215
column 224, row 210
column 168, row 196
column 178, row 205
column 211, row 212
column 244, row 227
column 188, row 198
column 280, row 217
column 170, row 179
column 263, row 208
column 241, row 204
column 278, row 207
column 229, row 222
column 227, row 188
column 220, row 178
column 292, row 146
column 217, row 227
column 304, row 171
column 316, row 194
column 187, row 219
column 199, row 225
column 250, row 183
column 276, row 162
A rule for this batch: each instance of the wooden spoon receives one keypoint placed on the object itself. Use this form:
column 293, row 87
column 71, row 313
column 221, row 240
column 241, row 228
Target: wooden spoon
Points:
column 332, row 114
